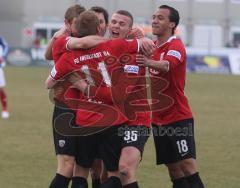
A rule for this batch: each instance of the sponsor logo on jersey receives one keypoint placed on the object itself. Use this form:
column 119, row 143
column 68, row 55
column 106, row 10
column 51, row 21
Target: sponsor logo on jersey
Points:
column 174, row 53
column 131, row 69
column 61, row 143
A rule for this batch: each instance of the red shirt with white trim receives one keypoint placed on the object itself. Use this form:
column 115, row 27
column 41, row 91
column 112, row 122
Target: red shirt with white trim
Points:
column 88, row 63
column 178, row 109
column 58, row 49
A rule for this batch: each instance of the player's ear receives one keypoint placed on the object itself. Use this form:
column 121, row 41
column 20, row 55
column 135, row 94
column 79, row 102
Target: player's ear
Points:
column 67, row 24
column 98, row 30
column 129, row 32
column 172, row 24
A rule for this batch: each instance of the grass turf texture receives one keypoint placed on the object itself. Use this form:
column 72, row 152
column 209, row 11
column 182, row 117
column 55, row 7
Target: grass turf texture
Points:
column 27, row 158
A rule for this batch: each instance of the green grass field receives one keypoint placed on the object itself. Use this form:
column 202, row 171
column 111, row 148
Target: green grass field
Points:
column 27, row 158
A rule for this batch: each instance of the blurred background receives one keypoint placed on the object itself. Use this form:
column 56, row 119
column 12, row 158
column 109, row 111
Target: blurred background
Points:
column 207, row 27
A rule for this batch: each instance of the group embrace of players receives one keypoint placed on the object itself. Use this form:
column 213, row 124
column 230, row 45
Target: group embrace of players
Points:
column 103, row 116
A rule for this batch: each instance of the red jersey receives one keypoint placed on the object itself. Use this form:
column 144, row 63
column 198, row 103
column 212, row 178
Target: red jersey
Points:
column 58, row 49
column 131, row 88
column 174, row 52
column 89, row 61
column 142, row 116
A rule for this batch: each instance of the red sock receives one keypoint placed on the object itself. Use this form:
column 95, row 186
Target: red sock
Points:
column 3, row 98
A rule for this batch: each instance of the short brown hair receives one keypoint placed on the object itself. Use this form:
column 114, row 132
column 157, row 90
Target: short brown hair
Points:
column 73, row 12
column 126, row 13
column 87, row 24
column 173, row 17
column 98, row 9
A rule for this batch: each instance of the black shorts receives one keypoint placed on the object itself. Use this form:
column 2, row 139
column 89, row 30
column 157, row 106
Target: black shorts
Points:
column 64, row 145
column 110, row 147
column 87, row 150
column 135, row 136
column 83, row 148
column 174, row 142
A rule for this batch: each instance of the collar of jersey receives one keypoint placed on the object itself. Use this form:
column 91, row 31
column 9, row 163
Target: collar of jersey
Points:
column 169, row 40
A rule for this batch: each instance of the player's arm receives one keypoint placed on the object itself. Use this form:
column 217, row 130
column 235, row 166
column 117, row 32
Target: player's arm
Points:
column 136, row 32
column 51, row 79
column 173, row 57
column 143, row 45
column 162, row 65
column 85, row 42
column 59, row 71
column 104, row 93
column 146, row 46
column 50, row 82
column 48, row 51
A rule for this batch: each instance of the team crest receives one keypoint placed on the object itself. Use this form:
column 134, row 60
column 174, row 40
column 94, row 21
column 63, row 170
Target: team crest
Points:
column 61, row 143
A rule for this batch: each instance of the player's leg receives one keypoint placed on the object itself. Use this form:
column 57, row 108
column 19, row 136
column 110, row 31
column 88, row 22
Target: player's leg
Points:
column 178, row 153
column 165, row 155
column 95, row 171
column 64, row 171
column 112, row 181
column 133, row 142
column 104, row 174
column 87, row 152
column 128, row 164
column 185, row 152
column 3, row 96
column 109, row 150
column 65, row 148
column 80, row 175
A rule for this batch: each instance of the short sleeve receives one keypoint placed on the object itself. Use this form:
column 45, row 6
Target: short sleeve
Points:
column 60, row 47
column 62, row 67
column 176, row 54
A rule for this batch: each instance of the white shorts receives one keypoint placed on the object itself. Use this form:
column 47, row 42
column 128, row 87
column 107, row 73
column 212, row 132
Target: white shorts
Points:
column 2, row 78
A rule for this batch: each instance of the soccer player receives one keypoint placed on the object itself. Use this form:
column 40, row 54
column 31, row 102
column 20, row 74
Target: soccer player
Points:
column 97, row 55
column 59, row 45
column 3, row 96
column 102, row 15
column 65, row 147
column 177, row 151
column 133, row 140
column 97, row 170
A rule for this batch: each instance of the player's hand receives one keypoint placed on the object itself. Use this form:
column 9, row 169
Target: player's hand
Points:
column 60, row 32
column 78, row 82
column 58, row 90
column 142, row 60
column 147, row 46
column 136, row 32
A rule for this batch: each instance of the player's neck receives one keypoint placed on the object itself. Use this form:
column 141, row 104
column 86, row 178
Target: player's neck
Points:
column 162, row 39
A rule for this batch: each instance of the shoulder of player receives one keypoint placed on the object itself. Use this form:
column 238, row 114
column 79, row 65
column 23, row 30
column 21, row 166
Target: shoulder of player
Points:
column 61, row 40
column 119, row 41
column 177, row 42
column 65, row 57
